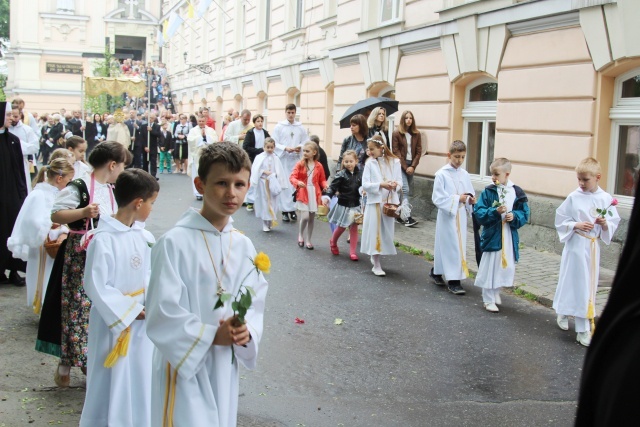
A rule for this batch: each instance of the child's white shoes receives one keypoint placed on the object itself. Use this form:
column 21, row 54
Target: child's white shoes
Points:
column 563, row 322
column 584, row 338
column 378, row 271
column 489, row 306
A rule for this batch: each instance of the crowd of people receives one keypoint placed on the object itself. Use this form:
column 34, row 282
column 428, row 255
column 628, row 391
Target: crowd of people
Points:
column 110, row 326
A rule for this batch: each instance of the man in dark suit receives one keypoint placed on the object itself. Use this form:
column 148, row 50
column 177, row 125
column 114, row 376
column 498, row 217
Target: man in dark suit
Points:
column 131, row 123
column 75, row 124
column 150, row 156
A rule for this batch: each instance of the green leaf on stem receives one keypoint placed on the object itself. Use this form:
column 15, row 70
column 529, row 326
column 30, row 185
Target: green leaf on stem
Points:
column 245, row 300
column 225, row 297
column 234, row 306
column 219, row 304
column 251, row 291
column 610, row 213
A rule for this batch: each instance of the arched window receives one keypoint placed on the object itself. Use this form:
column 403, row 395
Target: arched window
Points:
column 479, row 116
column 625, row 135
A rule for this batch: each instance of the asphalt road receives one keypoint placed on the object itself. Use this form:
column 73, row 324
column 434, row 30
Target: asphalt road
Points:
column 407, row 352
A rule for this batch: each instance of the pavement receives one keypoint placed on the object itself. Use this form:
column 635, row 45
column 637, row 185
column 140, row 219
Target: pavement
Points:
column 536, row 272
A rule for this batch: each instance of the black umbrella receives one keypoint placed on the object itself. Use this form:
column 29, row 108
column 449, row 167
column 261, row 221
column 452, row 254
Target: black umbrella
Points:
column 365, row 106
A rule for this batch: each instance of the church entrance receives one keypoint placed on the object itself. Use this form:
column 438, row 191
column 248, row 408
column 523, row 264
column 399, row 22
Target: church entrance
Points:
column 129, row 47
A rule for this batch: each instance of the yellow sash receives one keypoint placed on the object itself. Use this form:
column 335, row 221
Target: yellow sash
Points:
column 593, row 279
column 122, row 345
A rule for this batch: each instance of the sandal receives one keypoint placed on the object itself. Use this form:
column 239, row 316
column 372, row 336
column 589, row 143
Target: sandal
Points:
column 310, row 246
column 301, row 243
column 61, row 381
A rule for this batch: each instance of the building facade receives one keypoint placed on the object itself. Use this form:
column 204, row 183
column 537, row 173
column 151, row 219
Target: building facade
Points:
column 55, row 42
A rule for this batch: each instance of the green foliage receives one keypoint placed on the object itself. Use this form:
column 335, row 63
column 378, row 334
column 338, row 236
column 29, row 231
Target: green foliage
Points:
column 4, row 19
column 3, row 83
column 525, row 294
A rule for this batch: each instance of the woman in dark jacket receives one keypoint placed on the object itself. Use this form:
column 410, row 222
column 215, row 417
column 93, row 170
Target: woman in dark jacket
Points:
column 95, row 133
column 357, row 141
column 46, row 146
column 56, row 132
column 255, row 135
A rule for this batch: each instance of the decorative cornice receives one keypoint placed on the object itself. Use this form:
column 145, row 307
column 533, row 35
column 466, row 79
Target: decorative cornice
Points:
column 420, row 47
column 347, row 60
column 65, row 17
column 547, row 23
column 26, row 51
column 299, row 32
column 18, row 91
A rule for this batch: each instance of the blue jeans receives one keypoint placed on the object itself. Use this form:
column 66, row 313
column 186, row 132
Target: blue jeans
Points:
column 407, row 181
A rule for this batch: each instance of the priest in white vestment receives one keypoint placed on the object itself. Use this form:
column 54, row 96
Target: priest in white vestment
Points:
column 197, row 138
column 289, row 135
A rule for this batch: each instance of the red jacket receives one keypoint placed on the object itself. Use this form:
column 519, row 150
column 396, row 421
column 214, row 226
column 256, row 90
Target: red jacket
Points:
column 299, row 174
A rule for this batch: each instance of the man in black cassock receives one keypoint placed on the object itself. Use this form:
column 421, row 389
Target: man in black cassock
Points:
column 13, row 191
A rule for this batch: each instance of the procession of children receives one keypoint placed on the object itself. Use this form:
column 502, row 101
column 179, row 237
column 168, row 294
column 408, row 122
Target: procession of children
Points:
column 135, row 314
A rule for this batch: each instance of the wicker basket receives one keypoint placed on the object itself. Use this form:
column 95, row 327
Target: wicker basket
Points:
column 358, row 218
column 391, row 209
column 323, row 210
column 51, row 247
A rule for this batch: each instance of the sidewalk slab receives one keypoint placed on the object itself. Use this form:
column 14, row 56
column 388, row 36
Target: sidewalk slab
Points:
column 536, row 272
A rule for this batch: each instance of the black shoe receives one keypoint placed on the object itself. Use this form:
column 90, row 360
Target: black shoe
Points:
column 285, row 217
column 437, row 278
column 293, row 216
column 4, row 280
column 410, row 222
column 455, row 288
column 400, row 221
column 16, row 280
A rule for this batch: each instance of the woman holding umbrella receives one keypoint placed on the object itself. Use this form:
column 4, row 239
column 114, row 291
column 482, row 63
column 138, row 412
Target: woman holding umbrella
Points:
column 377, row 123
column 357, row 141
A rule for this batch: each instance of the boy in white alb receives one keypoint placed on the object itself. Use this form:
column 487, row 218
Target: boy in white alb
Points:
column 453, row 195
column 115, row 280
column 586, row 216
column 501, row 210
column 195, row 382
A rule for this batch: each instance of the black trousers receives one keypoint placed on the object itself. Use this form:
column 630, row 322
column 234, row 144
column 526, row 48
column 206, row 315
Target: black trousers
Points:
column 138, row 152
column 150, row 162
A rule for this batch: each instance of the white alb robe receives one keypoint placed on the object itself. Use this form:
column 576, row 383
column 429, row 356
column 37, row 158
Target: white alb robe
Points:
column 375, row 223
column 182, row 324
column 574, row 282
column 491, row 274
column 290, row 135
column 196, row 142
column 30, row 146
column 27, row 239
column 266, row 207
column 235, row 129
column 451, row 223
column 118, row 263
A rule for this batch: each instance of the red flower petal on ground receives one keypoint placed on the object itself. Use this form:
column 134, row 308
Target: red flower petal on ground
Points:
column 299, row 321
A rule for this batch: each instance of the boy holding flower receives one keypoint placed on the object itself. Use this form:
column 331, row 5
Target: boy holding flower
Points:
column 198, row 337
column 586, row 216
column 501, row 210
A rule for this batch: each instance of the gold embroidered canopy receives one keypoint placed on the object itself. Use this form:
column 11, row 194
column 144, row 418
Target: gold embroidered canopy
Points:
column 114, row 86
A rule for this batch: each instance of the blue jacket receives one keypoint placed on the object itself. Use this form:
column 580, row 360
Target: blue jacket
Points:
column 491, row 220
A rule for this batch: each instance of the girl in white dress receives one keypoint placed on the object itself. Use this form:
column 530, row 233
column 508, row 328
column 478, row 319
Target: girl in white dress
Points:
column 78, row 147
column 268, row 178
column 382, row 181
column 33, row 225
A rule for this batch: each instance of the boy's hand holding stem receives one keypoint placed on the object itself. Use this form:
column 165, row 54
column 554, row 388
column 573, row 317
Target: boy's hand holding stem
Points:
column 467, row 197
column 602, row 222
column 231, row 332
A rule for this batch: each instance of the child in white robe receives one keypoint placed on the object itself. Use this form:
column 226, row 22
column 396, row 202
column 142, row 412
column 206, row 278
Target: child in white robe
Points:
column 195, row 383
column 453, row 195
column 586, row 216
column 268, row 178
column 382, row 182
column 501, row 210
column 33, row 225
column 116, row 280
column 78, row 147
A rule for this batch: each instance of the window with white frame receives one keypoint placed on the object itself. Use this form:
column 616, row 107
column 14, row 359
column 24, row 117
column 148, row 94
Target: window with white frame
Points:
column 296, row 102
column 265, row 107
column 479, row 116
column 389, row 11
column 625, row 136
